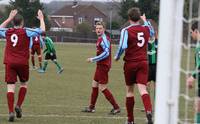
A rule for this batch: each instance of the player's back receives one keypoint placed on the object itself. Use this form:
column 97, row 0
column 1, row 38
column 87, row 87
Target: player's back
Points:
column 17, row 46
column 138, row 37
column 36, row 40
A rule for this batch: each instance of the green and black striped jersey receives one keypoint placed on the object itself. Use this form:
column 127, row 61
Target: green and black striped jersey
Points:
column 152, row 51
column 197, row 59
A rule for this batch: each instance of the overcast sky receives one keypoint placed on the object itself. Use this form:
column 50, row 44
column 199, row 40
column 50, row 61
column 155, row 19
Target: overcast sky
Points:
column 47, row 1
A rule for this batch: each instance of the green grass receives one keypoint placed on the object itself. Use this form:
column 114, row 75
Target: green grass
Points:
column 58, row 99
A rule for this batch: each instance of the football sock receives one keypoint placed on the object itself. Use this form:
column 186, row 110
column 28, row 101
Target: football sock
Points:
column 94, row 96
column 198, row 118
column 129, row 108
column 147, row 103
column 10, row 100
column 45, row 65
column 33, row 60
column 110, row 98
column 21, row 96
column 58, row 66
column 40, row 62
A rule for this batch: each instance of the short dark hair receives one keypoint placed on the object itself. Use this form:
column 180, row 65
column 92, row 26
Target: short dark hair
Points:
column 18, row 19
column 134, row 14
column 101, row 23
column 195, row 26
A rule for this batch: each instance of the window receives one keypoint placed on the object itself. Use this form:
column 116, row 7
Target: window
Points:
column 80, row 20
column 97, row 20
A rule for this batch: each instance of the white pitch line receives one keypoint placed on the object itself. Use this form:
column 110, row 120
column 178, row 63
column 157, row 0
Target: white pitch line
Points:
column 74, row 116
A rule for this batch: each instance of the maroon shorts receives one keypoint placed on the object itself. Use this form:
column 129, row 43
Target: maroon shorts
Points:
column 14, row 70
column 36, row 49
column 101, row 74
column 136, row 72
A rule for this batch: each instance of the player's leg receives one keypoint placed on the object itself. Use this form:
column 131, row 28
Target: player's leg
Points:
column 54, row 59
column 129, row 76
column 130, row 102
column 39, row 53
column 93, row 97
column 47, row 57
column 23, row 73
column 10, row 78
column 141, row 80
column 102, row 77
column 108, row 95
column 33, row 58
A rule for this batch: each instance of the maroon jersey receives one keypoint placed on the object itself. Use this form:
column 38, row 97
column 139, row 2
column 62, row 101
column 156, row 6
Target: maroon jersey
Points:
column 138, row 37
column 100, row 50
column 17, row 47
column 36, row 41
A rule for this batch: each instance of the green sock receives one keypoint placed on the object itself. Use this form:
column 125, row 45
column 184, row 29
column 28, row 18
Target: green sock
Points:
column 57, row 64
column 45, row 65
column 198, row 118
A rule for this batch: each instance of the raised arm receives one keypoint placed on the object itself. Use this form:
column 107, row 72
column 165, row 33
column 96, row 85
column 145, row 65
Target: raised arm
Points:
column 40, row 16
column 148, row 24
column 12, row 14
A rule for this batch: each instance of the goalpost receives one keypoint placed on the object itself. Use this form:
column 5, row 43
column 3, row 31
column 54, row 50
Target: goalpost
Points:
column 169, row 61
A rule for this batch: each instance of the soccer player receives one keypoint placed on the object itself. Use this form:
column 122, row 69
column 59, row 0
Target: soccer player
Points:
column 196, row 74
column 50, row 54
column 16, row 58
column 36, row 47
column 103, row 65
column 133, row 41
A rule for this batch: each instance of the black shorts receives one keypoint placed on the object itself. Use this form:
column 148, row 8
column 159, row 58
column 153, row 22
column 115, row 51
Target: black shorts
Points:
column 152, row 73
column 51, row 56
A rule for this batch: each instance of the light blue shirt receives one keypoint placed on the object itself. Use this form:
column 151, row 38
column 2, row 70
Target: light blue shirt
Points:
column 105, row 44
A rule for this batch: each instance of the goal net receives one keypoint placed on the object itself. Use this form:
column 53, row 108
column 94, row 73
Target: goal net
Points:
column 174, row 100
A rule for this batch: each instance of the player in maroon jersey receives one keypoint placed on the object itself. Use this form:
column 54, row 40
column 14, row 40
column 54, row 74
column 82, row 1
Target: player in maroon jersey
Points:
column 103, row 62
column 133, row 40
column 16, row 58
column 36, row 47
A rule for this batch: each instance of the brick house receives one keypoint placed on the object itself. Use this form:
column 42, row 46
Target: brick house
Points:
column 68, row 17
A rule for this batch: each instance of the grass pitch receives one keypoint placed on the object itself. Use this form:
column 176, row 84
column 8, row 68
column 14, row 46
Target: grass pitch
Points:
column 59, row 98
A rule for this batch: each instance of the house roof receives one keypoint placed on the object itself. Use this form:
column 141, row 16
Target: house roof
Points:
column 69, row 10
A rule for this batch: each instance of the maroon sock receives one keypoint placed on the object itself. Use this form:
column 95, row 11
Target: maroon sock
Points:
column 129, row 108
column 40, row 61
column 94, row 96
column 147, row 102
column 10, row 100
column 33, row 60
column 21, row 96
column 110, row 98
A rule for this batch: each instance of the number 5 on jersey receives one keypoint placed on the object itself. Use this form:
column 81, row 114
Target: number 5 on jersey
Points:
column 141, row 40
column 14, row 39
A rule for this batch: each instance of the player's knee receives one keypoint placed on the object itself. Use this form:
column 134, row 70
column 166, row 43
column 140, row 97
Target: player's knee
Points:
column 11, row 88
column 129, row 91
column 23, row 84
column 95, row 84
column 142, row 89
column 102, row 87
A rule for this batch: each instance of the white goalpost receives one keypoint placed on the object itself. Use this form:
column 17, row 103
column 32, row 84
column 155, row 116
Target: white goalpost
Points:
column 169, row 61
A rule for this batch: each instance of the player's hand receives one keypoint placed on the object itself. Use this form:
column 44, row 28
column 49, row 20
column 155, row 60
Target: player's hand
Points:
column 40, row 15
column 51, row 54
column 12, row 14
column 116, row 59
column 190, row 81
column 89, row 60
column 143, row 17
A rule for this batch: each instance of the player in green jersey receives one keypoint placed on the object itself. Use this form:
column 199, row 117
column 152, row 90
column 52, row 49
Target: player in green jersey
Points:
column 195, row 33
column 50, row 54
